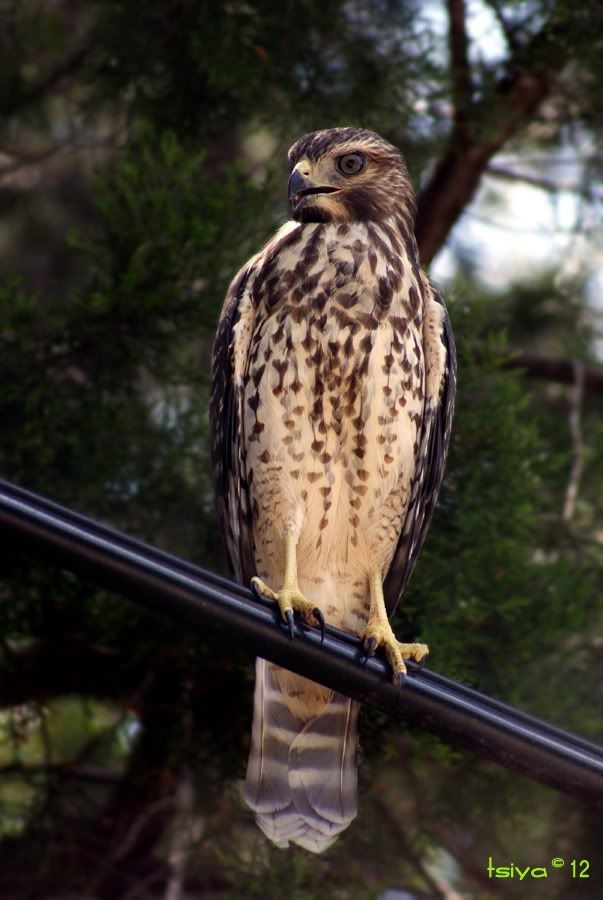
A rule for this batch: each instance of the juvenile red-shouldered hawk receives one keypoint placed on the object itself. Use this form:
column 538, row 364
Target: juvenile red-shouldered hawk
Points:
column 333, row 386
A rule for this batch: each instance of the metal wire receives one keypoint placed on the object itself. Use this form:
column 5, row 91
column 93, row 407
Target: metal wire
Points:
column 198, row 597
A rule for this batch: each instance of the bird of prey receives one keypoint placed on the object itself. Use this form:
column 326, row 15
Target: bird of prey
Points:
column 333, row 381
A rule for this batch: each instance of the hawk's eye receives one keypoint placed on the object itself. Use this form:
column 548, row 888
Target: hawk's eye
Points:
column 351, row 163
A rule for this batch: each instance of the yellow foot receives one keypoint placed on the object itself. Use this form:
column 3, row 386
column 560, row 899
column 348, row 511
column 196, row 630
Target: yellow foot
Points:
column 380, row 634
column 290, row 599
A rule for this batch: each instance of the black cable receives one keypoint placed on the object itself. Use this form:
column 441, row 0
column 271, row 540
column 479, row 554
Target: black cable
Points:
column 201, row 598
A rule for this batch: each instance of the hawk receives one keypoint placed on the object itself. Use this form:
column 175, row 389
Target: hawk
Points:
column 333, row 382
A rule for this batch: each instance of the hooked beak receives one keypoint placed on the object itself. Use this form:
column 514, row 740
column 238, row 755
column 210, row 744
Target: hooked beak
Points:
column 301, row 187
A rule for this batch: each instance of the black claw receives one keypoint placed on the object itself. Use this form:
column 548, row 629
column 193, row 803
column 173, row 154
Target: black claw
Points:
column 321, row 623
column 401, row 680
column 371, row 646
column 289, row 618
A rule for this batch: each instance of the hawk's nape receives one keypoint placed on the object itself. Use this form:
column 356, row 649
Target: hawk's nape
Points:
column 333, row 384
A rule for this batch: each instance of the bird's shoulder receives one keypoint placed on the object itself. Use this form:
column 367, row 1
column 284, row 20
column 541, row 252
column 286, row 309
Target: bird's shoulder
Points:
column 438, row 341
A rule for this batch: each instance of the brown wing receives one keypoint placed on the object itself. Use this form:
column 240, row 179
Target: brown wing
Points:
column 440, row 360
column 226, row 441
column 229, row 363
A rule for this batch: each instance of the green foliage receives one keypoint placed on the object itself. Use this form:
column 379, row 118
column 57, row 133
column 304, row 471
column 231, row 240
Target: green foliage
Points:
column 104, row 362
column 483, row 568
column 199, row 70
column 163, row 214
column 129, row 356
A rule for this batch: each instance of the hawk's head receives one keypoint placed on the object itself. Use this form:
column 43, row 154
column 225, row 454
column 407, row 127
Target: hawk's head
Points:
column 347, row 174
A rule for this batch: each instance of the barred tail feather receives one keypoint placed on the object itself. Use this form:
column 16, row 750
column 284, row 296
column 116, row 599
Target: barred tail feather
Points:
column 301, row 775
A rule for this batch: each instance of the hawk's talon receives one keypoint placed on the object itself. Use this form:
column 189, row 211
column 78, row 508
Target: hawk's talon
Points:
column 401, row 680
column 290, row 622
column 262, row 589
column 256, row 589
column 379, row 634
column 289, row 600
column 321, row 622
column 370, row 646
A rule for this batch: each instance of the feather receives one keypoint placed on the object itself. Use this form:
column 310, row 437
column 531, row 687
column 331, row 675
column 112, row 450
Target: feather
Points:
column 229, row 358
column 301, row 776
column 333, row 380
column 440, row 357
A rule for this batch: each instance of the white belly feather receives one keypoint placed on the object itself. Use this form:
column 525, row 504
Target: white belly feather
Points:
column 332, row 409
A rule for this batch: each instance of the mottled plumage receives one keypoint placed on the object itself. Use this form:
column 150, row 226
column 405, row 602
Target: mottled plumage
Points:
column 332, row 395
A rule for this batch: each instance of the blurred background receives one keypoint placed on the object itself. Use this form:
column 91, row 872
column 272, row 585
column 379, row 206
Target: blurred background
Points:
column 142, row 160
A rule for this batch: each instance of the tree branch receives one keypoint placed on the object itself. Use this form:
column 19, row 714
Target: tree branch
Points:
column 575, row 422
column 506, row 28
column 495, row 120
column 144, row 803
column 39, row 91
column 459, row 64
column 404, row 844
column 561, row 370
column 546, row 184
column 68, row 770
column 14, row 161
column 473, row 868
column 180, row 843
